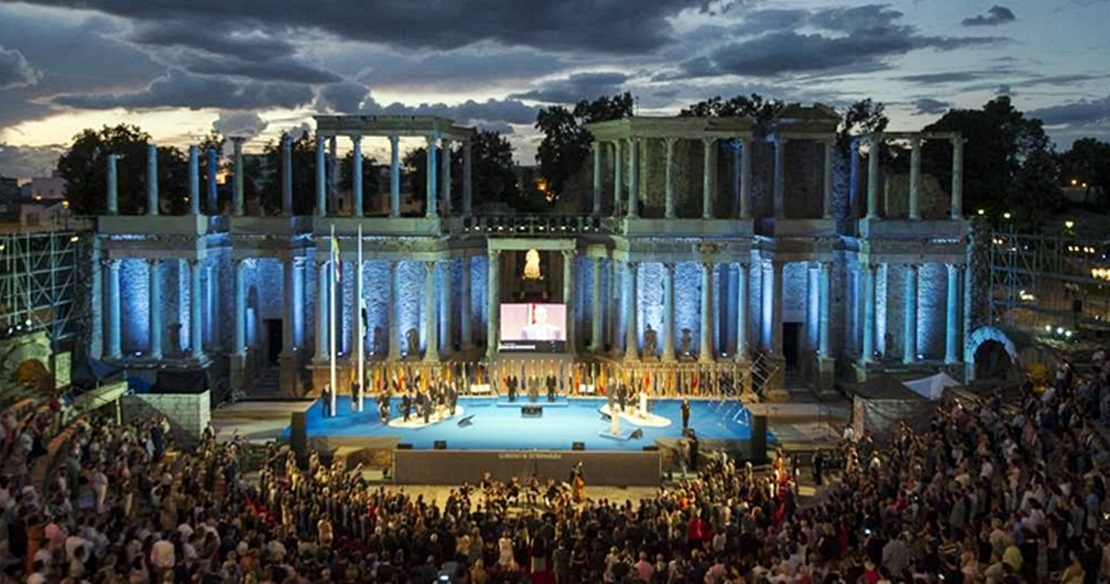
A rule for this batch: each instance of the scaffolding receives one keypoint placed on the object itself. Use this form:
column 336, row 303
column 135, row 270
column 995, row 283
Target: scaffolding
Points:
column 39, row 281
column 1047, row 283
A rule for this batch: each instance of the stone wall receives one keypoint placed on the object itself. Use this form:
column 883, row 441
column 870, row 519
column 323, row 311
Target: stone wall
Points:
column 188, row 413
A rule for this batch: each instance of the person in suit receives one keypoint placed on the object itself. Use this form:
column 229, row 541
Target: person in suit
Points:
column 551, row 384
column 622, row 395
column 512, row 388
column 406, row 406
column 685, row 413
column 427, row 410
column 326, row 396
column 533, row 390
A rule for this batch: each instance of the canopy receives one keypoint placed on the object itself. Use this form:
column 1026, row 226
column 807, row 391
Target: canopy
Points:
column 883, row 401
column 931, row 387
column 90, row 373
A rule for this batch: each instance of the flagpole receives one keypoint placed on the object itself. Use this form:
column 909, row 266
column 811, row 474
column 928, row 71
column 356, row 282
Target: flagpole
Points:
column 332, row 322
column 361, row 326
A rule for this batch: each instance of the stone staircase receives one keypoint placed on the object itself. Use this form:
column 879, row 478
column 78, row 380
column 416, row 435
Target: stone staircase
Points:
column 266, row 384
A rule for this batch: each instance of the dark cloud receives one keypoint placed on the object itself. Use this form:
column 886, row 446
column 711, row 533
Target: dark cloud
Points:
column 473, row 67
column 237, row 123
column 283, row 69
column 995, row 16
column 28, row 161
column 846, row 40
column 762, row 21
column 249, row 44
column 1082, row 112
column 500, row 127
column 178, row 88
column 930, row 106
column 950, row 77
column 576, row 88
column 341, row 97
column 15, row 71
column 1004, row 89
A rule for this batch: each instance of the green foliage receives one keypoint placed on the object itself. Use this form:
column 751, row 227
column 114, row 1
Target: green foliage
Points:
column 492, row 176
column 861, row 118
column 1087, row 166
column 269, row 172
column 762, row 110
column 566, row 142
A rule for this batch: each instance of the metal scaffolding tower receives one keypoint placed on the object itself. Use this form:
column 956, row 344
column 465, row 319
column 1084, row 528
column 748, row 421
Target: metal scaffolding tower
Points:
column 39, row 281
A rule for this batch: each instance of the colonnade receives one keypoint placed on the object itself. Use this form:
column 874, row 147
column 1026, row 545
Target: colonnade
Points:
column 874, row 181
column 912, row 300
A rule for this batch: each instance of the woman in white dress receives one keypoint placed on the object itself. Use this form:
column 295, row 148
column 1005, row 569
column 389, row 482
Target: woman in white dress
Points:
column 505, row 546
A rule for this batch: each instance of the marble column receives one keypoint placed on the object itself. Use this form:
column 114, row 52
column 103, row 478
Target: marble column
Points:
column 96, row 302
column 909, row 322
column 395, row 311
column 446, row 314
column 333, row 174
column 742, row 311
column 952, row 316
column 780, row 177
column 394, row 176
column 634, row 176
column 632, row 310
column 957, row 177
column 196, row 309
column 213, row 192
column 286, row 175
column 824, row 350
column 322, row 321
column 829, row 145
column 746, row 178
column 616, row 285
column 468, row 179
column 494, row 300
column 288, row 306
column 668, row 312
column 321, row 179
column 915, row 179
column 240, row 316
column 873, row 176
column 112, row 205
column 734, row 148
column 356, row 177
column 868, row 313
column 445, row 176
column 705, row 351
column 708, row 158
column 568, row 299
column 430, row 187
column 431, row 314
column 669, row 172
column 776, row 309
column 237, row 203
column 595, row 148
column 115, row 346
column 853, row 175
column 618, row 177
column 299, row 299
column 155, row 305
column 194, row 180
column 152, row 180
column 465, row 313
column 211, row 303
column 596, row 312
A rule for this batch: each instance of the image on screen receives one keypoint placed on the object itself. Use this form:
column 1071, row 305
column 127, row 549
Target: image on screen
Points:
column 533, row 327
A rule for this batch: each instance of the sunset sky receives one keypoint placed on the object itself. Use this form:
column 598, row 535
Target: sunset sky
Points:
column 179, row 68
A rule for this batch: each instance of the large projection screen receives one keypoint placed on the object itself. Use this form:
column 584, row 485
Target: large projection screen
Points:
column 532, row 327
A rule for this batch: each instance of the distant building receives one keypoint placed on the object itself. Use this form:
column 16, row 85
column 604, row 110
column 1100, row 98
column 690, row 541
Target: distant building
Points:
column 45, row 188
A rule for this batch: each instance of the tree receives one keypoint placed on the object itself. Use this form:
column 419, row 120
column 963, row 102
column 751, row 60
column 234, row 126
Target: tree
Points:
column 85, row 169
column 370, row 170
column 492, row 176
column 304, row 175
column 566, row 141
column 762, row 110
column 1087, row 166
column 863, row 117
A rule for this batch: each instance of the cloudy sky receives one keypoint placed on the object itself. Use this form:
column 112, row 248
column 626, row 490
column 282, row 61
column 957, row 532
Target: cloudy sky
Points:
column 179, row 68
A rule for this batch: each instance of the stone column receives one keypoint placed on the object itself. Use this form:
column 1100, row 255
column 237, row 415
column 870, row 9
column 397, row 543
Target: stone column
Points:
column 155, row 305
column 237, row 203
column 669, row 211
column 873, row 176
column 634, row 176
column 494, row 299
column 596, row 312
column 96, row 302
column 616, row 283
column 194, row 180
column 632, row 312
column 321, row 179
column 957, row 177
column 196, row 309
column 827, row 181
column 668, row 312
column 595, row 148
column 152, row 180
column 708, row 157
column 356, row 177
column 617, row 177
column 446, row 314
column 445, row 176
column 394, row 307
column 734, row 147
column 300, row 284
column 466, row 317
column 213, row 193
column 568, row 299
column 112, row 205
column 240, row 315
column 868, row 313
column 741, row 311
column 115, row 346
column 705, row 352
column 952, row 316
column 468, row 182
column 909, row 323
column 824, row 350
column 322, row 322
column 776, row 309
column 780, row 177
column 333, row 175
column 431, row 316
column 286, row 175
column 853, row 175
column 211, row 300
column 746, row 178
column 430, row 188
column 287, row 318
column 915, row 179
column 394, row 176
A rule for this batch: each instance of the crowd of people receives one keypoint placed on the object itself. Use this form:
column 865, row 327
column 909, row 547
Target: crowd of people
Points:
column 993, row 491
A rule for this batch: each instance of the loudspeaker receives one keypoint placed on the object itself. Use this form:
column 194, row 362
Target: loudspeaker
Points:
column 578, row 446
column 759, row 439
column 651, row 449
column 404, row 446
column 298, row 434
column 531, row 411
column 440, row 445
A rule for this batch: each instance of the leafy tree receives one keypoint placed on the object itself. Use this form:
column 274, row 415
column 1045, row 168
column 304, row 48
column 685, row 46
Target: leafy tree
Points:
column 1087, row 166
column 863, row 117
column 566, row 142
column 370, row 170
column 85, row 169
column 269, row 171
column 762, row 110
column 491, row 167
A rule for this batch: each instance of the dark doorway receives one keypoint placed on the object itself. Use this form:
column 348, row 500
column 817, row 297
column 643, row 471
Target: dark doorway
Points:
column 273, row 340
column 791, row 333
column 992, row 361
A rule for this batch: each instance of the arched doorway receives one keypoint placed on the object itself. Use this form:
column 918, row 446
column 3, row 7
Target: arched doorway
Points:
column 992, row 361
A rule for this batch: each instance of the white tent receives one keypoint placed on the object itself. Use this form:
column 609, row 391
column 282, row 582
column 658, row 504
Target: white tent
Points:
column 931, row 387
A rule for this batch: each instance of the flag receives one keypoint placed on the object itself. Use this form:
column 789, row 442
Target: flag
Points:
column 335, row 261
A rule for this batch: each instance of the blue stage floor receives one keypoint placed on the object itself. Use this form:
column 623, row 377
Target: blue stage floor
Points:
column 496, row 427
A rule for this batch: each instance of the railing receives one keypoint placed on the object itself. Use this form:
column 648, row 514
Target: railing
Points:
column 535, row 225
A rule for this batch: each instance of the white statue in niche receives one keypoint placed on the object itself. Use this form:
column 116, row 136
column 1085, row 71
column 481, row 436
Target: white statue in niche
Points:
column 532, row 265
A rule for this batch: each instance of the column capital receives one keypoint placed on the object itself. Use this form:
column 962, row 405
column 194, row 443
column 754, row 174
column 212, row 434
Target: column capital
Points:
column 670, row 141
column 493, row 253
column 443, row 262
column 632, row 264
column 112, row 263
column 431, row 139
column 299, row 262
column 152, row 261
column 911, row 266
column 959, row 141
column 875, row 138
column 192, row 262
column 356, row 137
column 916, row 141
column 394, row 139
column 780, row 140
column 708, row 142
column 739, row 266
column 825, row 266
column 569, row 254
column 669, row 267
